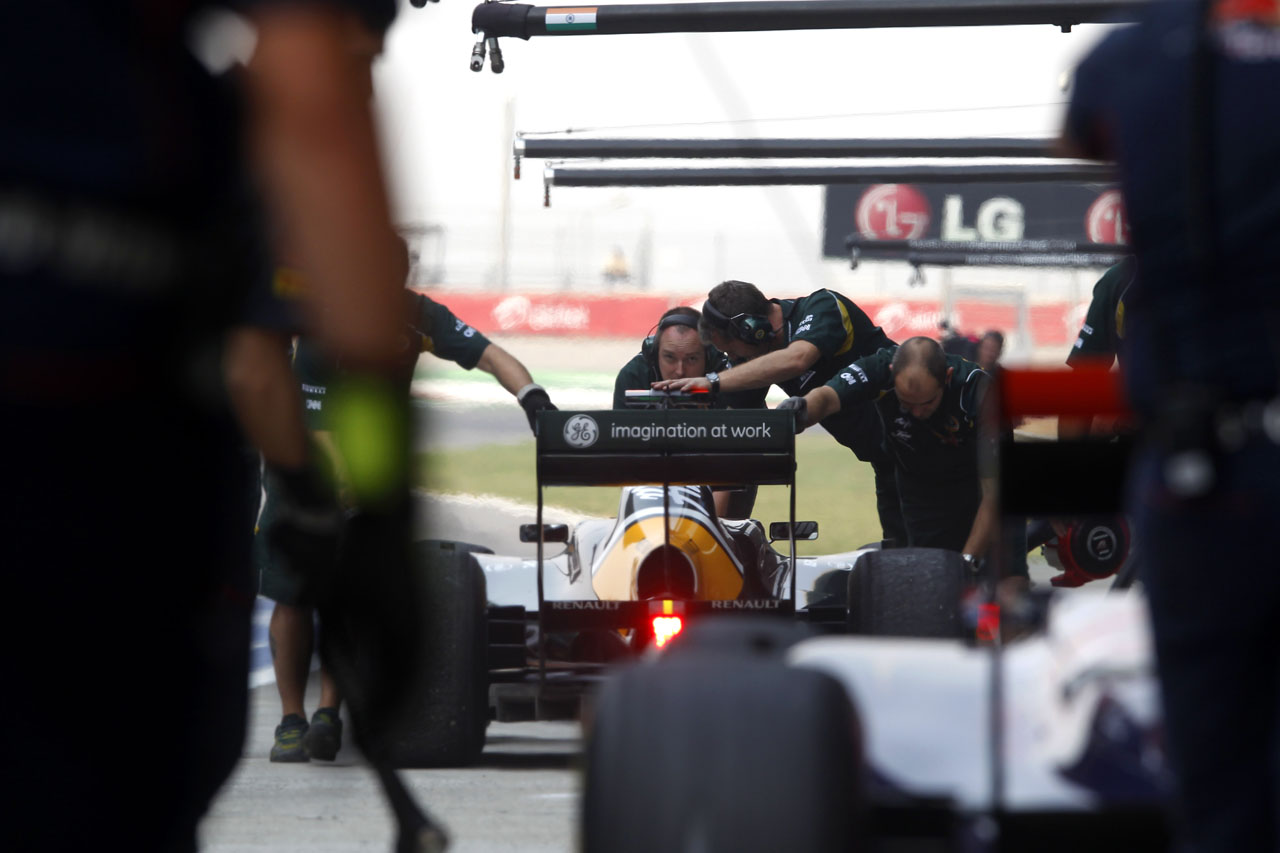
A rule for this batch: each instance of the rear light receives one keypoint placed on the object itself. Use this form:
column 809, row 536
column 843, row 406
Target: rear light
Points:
column 664, row 628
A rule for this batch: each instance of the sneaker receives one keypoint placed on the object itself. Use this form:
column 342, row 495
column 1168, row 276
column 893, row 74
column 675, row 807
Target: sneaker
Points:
column 290, row 734
column 324, row 737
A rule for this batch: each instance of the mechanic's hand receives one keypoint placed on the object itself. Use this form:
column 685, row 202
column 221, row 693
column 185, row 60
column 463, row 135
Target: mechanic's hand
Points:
column 692, row 383
column 533, row 398
column 308, row 525
column 801, row 407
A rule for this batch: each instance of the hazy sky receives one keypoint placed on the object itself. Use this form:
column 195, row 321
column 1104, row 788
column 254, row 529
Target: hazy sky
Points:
column 444, row 132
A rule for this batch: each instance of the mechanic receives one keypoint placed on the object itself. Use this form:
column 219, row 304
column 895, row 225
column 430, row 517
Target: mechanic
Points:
column 1195, row 131
column 797, row 344
column 930, row 403
column 990, row 348
column 124, row 264
column 1101, row 336
column 674, row 351
column 435, row 330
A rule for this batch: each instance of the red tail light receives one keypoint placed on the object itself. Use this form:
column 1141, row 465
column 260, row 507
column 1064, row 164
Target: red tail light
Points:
column 664, row 628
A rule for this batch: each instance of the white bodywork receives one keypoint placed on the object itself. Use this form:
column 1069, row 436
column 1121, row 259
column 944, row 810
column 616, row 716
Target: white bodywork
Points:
column 924, row 704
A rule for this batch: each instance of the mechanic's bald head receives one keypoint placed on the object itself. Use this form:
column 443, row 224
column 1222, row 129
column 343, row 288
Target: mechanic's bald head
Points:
column 920, row 375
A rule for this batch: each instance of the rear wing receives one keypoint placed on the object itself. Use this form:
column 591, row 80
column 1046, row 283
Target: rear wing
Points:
column 714, row 447
column 661, row 447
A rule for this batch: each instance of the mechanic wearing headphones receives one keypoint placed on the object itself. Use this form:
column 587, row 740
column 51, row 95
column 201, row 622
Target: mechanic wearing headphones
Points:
column 675, row 351
column 797, row 344
column 435, row 330
column 929, row 402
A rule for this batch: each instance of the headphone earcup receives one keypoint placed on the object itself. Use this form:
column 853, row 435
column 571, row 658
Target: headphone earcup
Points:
column 754, row 329
column 649, row 349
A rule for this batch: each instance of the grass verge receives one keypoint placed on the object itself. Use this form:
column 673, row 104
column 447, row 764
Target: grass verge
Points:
column 832, row 488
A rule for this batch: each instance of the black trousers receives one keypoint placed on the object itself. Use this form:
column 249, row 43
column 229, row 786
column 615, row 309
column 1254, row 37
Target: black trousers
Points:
column 125, row 556
column 1214, row 591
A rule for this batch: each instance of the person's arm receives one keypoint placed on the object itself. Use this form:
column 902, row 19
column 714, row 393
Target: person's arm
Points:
column 513, row 376
column 818, row 404
column 504, row 367
column 984, row 521
column 317, row 155
column 264, row 395
column 769, row 369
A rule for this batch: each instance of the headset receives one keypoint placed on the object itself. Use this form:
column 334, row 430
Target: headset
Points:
column 649, row 349
column 754, row 329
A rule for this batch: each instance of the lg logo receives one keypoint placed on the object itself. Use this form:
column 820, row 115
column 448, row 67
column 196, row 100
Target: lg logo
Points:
column 892, row 212
column 999, row 218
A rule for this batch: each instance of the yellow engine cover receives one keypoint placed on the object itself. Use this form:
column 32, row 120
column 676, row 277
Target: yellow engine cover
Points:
column 716, row 569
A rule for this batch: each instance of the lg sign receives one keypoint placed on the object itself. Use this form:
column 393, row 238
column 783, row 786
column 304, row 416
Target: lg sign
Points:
column 988, row 212
column 892, row 212
column 901, row 212
column 1105, row 222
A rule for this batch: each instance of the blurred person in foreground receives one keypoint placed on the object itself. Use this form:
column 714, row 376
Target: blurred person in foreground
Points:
column 130, row 180
column 798, row 344
column 675, row 350
column 1188, row 104
column 432, row 329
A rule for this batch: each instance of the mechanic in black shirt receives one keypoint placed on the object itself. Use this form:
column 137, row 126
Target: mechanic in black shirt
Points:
column 435, row 330
column 675, row 350
column 1101, row 336
column 930, row 404
column 124, row 182
column 798, row 344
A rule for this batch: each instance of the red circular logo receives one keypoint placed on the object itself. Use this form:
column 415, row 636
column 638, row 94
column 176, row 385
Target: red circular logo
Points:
column 1105, row 221
column 892, row 212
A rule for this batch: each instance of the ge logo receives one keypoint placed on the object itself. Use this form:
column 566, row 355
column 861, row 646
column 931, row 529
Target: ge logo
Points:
column 1101, row 543
column 581, row 431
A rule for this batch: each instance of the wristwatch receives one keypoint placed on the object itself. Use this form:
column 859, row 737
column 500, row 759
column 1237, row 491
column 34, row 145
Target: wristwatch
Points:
column 714, row 379
column 970, row 561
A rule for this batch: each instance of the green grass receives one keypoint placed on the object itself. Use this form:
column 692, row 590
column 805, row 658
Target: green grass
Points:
column 832, row 488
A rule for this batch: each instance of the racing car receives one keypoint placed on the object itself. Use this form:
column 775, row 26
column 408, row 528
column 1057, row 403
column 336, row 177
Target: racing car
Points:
column 517, row 639
column 906, row 733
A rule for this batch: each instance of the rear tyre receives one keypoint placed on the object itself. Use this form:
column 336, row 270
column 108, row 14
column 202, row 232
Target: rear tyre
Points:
column 721, row 755
column 908, row 592
column 448, row 709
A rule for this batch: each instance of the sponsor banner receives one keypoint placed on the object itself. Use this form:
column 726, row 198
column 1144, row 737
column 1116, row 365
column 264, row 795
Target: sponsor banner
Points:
column 612, row 432
column 1049, row 324
column 968, row 212
column 558, row 313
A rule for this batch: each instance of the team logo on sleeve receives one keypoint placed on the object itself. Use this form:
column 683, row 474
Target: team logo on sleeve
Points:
column 854, row 375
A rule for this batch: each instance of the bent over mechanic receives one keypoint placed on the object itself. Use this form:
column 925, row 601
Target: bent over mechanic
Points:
column 797, row 344
column 929, row 403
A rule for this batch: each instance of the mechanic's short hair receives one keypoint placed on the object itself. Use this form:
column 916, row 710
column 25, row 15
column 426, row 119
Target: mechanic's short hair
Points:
column 732, row 298
column 922, row 352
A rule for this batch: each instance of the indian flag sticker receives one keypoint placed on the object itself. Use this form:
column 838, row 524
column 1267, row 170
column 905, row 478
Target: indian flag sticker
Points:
column 575, row 19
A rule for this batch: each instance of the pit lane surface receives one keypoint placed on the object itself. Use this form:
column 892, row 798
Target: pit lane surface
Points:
column 523, row 794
